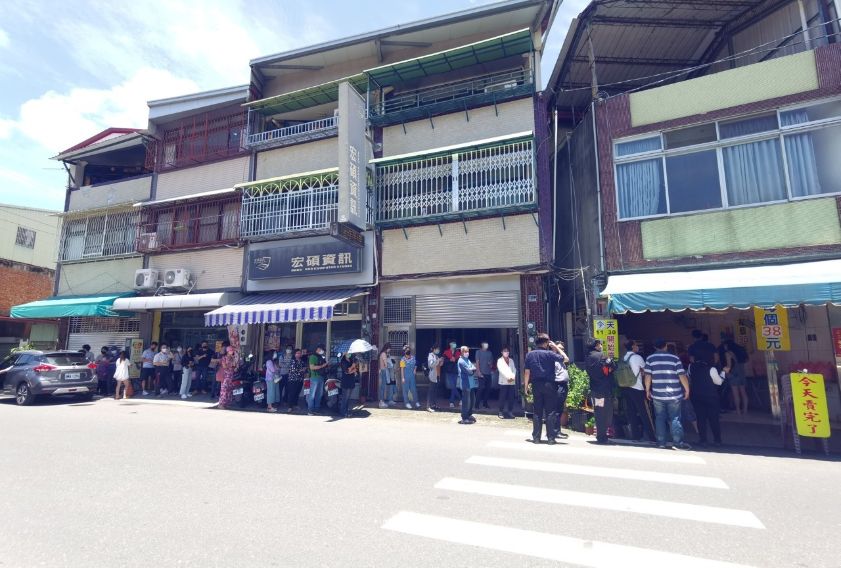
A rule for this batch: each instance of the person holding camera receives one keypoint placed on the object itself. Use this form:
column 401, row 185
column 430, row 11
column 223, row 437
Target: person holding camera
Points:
column 540, row 374
column 600, row 370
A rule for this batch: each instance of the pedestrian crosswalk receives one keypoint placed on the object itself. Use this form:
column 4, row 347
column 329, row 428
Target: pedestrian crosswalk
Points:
column 637, row 479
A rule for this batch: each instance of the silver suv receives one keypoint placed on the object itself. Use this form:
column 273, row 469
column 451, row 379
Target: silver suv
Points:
column 29, row 374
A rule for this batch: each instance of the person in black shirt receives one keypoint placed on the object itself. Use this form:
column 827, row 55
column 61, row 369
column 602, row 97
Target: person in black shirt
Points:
column 600, row 371
column 540, row 373
column 702, row 349
column 350, row 376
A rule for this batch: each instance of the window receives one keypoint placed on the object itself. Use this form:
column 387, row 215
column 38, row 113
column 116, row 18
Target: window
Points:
column 765, row 158
column 25, row 238
column 99, row 236
column 190, row 225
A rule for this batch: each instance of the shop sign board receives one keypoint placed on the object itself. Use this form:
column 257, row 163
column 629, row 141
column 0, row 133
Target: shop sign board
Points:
column 353, row 179
column 136, row 356
column 772, row 333
column 303, row 260
column 347, row 233
column 607, row 330
column 811, row 415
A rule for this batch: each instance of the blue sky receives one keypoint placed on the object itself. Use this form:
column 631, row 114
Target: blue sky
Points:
column 71, row 68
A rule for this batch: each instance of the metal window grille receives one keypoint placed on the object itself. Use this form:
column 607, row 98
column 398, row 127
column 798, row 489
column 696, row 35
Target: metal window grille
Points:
column 397, row 338
column 477, row 179
column 198, row 139
column 397, row 310
column 25, row 238
column 275, row 207
column 295, row 133
column 189, row 225
column 97, row 236
column 104, row 325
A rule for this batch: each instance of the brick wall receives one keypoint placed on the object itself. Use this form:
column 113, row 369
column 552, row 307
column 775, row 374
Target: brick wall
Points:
column 22, row 284
column 623, row 240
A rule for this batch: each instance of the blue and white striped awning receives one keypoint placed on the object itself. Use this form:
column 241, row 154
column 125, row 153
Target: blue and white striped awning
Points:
column 310, row 305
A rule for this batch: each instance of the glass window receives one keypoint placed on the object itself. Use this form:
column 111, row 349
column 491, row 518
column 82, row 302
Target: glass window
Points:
column 638, row 146
column 25, row 237
column 313, row 334
column 754, row 172
column 641, row 189
column 342, row 332
column 814, row 167
column 693, row 182
column 690, row 136
column 747, row 126
column 823, row 111
column 276, row 336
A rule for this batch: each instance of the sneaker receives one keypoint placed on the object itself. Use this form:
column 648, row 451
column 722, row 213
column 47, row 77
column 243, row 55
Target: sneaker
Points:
column 417, row 405
column 551, row 441
column 662, row 446
column 683, row 446
column 383, row 404
column 452, row 405
column 430, row 409
column 472, row 420
column 310, row 413
column 189, row 395
column 145, row 393
column 501, row 416
column 464, row 422
column 392, row 403
column 408, row 406
column 183, row 397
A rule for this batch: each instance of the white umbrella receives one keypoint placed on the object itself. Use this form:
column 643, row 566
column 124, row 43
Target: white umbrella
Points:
column 360, row 346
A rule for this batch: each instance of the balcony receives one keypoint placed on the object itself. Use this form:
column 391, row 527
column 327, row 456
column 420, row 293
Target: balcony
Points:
column 468, row 182
column 99, row 236
column 453, row 96
column 304, row 132
column 189, row 226
column 128, row 190
column 290, row 206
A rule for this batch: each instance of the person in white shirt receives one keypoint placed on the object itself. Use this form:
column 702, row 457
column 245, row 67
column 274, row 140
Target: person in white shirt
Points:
column 507, row 373
column 433, row 363
column 162, row 362
column 122, row 375
column 637, row 408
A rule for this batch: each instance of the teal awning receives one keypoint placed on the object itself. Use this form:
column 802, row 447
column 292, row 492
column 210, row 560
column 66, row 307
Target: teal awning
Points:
column 808, row 283
column 493, row 49
column 97, row 305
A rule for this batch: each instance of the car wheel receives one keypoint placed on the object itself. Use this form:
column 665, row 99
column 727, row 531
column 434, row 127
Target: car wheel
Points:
column 24, row 395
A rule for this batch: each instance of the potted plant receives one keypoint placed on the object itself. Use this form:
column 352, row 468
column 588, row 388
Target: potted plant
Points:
column 528, row 402
column 579, row 386
column 590, row 426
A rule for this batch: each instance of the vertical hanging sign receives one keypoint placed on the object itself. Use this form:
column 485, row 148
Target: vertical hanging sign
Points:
column 772, row 332
column 810, row 410
column 607, row 331
column 353, row 158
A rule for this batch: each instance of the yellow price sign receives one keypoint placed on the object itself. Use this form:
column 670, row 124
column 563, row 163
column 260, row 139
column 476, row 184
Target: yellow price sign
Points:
column 811, row 415
column 607, row 331
column 772, row 332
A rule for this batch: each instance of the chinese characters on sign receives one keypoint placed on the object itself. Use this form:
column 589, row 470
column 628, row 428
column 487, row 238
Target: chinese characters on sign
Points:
column 810, row 410
column 303, row 260
column 353, row 191
column 607, row 330
column 772, row 329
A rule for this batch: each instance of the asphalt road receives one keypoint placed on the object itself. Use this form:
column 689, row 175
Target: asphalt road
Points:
column 147, row 484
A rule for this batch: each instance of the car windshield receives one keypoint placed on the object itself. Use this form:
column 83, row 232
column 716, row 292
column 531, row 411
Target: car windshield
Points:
column 64, row 359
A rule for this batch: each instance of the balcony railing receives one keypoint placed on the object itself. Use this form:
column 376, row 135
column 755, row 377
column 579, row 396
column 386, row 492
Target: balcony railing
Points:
column 99, row 236
column 189, row 227
column 470, row 181
column 273, row 208
column 455, row 95
column 293, row 134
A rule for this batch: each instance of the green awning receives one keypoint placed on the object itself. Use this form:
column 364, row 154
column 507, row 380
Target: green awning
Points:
column 500, row 47
column 307, row 98
column 97, row 305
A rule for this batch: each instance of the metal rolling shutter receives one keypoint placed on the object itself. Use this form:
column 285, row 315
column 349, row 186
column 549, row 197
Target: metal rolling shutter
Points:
column 99, row 332
column 476, row 310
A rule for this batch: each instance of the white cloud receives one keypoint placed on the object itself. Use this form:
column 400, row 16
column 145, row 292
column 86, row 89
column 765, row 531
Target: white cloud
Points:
column 4, row 38
column 7, row 126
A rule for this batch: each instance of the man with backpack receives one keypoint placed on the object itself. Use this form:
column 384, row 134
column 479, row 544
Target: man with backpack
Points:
column 629, row 374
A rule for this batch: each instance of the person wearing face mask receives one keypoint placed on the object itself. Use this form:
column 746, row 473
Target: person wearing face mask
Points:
column 408, row 364
column 186, row 372
column 284, row 361
column 228, row 363
column 467, row 383
column 272, row 380
column 162, row 360
column 507, row 384
column 450, row 371
column 433, row 363
column 317, row 365
column 297, row 374
column 484, row 364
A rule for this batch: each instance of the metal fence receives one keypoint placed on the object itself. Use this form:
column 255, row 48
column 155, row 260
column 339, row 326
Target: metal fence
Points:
column 491, row 177
column 290, row 205
column 189, row 225
column 297, row 132
column 97, row 236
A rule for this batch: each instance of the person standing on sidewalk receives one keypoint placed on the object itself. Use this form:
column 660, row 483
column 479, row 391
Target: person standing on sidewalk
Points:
column 386, row 367
column 562, row 384
column 297, row 374
column 637, row 407
column 704, row 381
column 103, row 362
column 122, row 375
column 485, row 365
column 317, row 365
column 666, row 385
column 408, row 364
column 284, row 362
column 540, row 375
column 147, row 368
column 187, row 366
column 162, row 362
column 350, row 376
column 507, row 384
column 228, row 365
column 450, row 371
column 433, row 363
column 272, row 380
column 467, row 384
column 203, row 375
column 600, row 370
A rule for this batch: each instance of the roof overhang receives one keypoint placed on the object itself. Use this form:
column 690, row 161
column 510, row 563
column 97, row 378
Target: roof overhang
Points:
column 176, row 302
column 228, row 192
column 173, row 108
column 309, row 97
column 111, row 144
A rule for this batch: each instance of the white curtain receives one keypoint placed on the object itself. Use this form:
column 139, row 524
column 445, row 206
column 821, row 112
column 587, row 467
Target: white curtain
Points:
column 800, row 154
column 640, row 188
column 754, row 172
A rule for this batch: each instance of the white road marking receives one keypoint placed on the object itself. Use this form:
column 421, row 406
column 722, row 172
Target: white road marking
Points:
column 617, row 473
column 672, row 509
column 542, row 545
column 651, row 455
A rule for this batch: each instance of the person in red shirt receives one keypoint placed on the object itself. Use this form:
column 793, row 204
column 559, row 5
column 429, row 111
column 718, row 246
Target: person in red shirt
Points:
column 450, row 371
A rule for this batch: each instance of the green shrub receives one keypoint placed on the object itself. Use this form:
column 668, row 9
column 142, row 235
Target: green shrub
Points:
column 579, row 386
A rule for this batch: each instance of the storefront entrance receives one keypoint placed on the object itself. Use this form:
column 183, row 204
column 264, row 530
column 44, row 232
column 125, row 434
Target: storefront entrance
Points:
column 187, row 329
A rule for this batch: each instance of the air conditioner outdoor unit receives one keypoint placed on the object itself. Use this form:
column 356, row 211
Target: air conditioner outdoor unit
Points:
column 146, row 279
column 177, row 278
column 148, row 241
